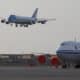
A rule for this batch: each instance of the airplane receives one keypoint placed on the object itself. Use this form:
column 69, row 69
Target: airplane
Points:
column 25, row 21
column 69, row 54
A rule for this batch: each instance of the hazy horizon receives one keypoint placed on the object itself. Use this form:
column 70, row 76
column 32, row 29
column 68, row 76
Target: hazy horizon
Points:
column 38, row 37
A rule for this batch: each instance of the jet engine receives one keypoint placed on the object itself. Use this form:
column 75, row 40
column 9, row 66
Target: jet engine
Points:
column 55, row 61
column 3, row 21
column 41, row 59
column 43, row 22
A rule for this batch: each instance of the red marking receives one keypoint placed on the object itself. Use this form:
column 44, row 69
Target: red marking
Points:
column 41, row 59
column 55, row 61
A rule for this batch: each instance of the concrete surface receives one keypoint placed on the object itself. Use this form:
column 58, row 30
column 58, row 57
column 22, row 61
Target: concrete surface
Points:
column 38, row 73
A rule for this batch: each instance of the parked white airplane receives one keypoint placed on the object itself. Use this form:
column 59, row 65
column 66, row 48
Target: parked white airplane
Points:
column 69, row 53
column 25, row 21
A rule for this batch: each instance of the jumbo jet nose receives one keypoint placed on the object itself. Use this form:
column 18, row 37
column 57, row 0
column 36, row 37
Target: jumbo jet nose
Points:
column 60, row 54
column 12, row 18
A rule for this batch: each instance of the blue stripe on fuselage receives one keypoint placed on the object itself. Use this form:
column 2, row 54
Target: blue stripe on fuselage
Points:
column 69, row 51
column 12, row 18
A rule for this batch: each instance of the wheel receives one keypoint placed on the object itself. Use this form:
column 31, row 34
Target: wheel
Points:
column 16, row 25
column 64, row 66
column 7, row 22
column 26, row 25
column 11, row 24
column 21, row 25
column 77, row 66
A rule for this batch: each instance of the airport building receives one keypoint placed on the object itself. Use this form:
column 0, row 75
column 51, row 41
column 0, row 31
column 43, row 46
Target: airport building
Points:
column 28, row 59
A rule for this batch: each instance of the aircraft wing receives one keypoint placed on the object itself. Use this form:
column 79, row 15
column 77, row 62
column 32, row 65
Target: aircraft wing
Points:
column 43, row 21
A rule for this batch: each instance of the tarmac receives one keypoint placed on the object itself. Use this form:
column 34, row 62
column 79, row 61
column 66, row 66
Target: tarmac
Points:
column 38, row 73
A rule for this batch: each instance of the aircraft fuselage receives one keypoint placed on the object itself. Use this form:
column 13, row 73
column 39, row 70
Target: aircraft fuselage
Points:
column 21, row 19
column 69, row 52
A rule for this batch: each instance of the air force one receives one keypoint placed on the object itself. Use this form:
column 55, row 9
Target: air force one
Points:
column 25, row 21
column 69, row 53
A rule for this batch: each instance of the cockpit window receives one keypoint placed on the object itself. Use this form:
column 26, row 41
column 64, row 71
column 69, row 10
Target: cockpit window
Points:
column 62, row 44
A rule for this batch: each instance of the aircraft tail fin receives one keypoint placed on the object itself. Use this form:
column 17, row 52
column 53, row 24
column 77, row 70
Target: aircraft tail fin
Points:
column 35, row 13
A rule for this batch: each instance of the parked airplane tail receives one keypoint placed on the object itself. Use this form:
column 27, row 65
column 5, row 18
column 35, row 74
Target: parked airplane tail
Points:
column 35, row 13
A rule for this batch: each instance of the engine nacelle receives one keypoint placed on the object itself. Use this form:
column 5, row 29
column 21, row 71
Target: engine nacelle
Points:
column 3, row 21
column 55, row 61
column 43, row 22
column 41, row 59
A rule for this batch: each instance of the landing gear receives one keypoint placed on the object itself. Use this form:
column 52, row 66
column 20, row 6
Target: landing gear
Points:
column 7, row 22
column 21, row 25
column 64, row 66
column 16, row 25
column 77, row 66
column 11, row 24
column 26, row 25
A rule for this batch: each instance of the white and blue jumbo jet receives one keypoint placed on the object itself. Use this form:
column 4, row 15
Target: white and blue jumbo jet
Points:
column 25, row 21
column 69, row 53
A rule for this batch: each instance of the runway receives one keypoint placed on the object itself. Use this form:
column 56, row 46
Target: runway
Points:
column 38, row 73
